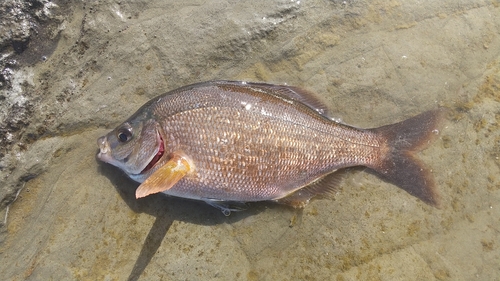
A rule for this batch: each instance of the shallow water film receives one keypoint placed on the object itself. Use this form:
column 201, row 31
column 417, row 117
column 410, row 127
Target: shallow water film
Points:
column 70, row 72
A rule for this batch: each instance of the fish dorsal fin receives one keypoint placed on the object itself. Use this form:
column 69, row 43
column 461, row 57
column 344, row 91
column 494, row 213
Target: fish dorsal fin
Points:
column 295, row 93
column 325, row 186
column 304, row 96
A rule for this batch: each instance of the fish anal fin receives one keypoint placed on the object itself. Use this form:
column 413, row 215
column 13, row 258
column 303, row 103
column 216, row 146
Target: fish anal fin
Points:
column 298, row 199
column 165, row 177
column 326, row 186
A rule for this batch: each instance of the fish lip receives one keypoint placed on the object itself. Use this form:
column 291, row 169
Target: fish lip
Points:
column 104, row 149
column 159, row 154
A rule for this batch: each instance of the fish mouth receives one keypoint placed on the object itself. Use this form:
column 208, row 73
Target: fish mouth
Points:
column 104, row 150
column 158, row 155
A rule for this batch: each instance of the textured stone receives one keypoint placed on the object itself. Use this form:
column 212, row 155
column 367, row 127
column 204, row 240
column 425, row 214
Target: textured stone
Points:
column 372, row 62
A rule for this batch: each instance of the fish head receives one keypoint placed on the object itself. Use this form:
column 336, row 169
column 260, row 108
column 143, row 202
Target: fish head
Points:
column 135, row 147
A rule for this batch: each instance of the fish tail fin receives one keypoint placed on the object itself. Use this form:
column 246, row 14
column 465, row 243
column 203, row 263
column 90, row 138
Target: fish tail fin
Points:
column 398, row 164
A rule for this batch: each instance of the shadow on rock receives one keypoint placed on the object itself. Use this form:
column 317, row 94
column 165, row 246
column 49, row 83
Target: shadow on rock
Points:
column 166, row 210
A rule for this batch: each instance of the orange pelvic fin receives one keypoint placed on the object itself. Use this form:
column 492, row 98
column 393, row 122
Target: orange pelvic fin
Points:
column 165, row 177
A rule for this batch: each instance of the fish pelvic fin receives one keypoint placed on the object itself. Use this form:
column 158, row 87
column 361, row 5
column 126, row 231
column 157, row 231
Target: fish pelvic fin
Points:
column 226, row 207
column 398, row 164
column 165, row 177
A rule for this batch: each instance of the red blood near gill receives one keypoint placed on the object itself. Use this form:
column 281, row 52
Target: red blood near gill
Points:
column 157, row 157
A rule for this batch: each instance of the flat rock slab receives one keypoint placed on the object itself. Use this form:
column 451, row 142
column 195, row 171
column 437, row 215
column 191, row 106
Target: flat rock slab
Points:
column 372, row 62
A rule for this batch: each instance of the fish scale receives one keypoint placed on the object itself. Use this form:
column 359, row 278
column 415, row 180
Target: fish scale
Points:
column 238, row 141
column 278, row 159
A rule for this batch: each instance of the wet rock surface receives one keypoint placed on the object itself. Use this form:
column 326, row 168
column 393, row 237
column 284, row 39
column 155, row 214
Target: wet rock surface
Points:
column 28, row 34
column 70, row 72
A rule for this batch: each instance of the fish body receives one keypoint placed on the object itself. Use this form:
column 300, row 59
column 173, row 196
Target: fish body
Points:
column 230, row 141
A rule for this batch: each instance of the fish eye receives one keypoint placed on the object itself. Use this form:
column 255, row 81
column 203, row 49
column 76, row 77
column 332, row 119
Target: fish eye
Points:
column 124, row 135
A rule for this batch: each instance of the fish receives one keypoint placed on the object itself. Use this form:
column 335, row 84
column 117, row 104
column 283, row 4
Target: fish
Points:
column 228, row 143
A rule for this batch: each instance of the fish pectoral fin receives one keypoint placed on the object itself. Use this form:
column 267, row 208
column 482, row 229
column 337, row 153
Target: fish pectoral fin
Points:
column 165, row 177
column 325, row 186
